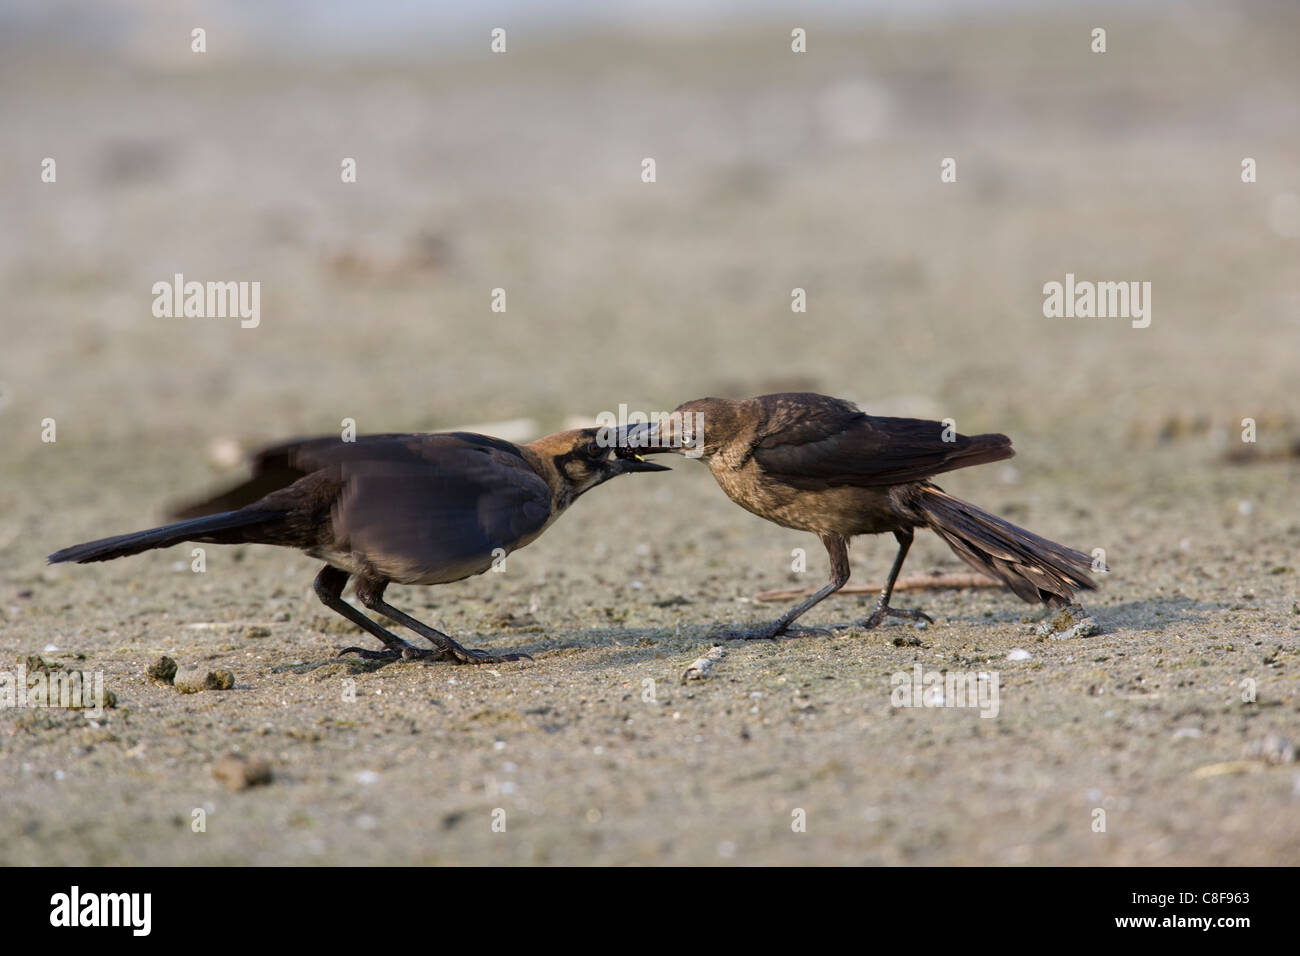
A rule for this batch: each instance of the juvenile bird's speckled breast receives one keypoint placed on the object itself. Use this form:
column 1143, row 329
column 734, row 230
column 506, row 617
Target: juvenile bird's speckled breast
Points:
column 835, row 510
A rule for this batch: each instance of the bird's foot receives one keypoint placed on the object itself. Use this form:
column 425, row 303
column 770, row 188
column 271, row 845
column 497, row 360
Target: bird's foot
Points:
column 405, row 652
column 473, row 655
column 769, row 632
column 388, row 654
column 463, row 655
column 882, row 612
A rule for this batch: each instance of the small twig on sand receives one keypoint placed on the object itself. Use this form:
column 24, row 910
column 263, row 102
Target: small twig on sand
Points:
column 915, row 582
column 1230, row 767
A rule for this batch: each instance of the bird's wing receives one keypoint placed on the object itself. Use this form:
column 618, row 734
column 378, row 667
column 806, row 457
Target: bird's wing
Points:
column 435, row 506
column 820, row 444
column 279, row 466
column 274, row 467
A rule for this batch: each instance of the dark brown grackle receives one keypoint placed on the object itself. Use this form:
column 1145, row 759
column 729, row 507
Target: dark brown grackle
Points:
column 414, row 509
column 820, row 464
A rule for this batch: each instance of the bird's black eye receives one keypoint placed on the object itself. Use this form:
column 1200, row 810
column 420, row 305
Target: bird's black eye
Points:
column 594, row 450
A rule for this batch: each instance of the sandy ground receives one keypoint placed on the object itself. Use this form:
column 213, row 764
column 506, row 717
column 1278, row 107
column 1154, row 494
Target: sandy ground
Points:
column 774, row 171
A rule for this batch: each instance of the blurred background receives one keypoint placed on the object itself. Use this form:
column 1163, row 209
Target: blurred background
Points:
column 522, row 171
column 775, row 171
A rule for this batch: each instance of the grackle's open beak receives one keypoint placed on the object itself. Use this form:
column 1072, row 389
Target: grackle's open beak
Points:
column 634, row 441
column 627, row 461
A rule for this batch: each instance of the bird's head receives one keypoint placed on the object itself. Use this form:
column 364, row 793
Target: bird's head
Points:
column 582, row 458
column 696, row 429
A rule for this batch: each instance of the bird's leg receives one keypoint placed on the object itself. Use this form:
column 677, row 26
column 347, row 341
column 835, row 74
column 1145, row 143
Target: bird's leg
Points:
column 883, row 610
column 329, row 588
column 370, row 592
column 837, row 546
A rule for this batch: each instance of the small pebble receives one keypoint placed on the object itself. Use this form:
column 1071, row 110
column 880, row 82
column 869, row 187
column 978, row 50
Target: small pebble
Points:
column 1068, row 623
column 1019, row 654
column 702, row 667
column 191, row 680
column 238, row 772
column 161, row 671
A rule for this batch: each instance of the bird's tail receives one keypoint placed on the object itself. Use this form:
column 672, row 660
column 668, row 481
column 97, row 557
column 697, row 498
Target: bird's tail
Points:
column 1034, row 568
column 231, row 527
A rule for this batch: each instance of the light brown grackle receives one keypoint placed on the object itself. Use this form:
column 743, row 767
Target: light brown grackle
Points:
column 820, row 464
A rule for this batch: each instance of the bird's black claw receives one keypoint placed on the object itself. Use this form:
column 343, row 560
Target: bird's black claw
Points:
column 420, row 654
column 464, row 655
column 366, row 653
column 880, row 613
column 404, row 652
column 770, row 633
column 473, row 655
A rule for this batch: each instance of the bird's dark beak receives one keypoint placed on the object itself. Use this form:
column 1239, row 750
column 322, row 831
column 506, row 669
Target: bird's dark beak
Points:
column 637, row 440
column 627, row 454
column 625, row 462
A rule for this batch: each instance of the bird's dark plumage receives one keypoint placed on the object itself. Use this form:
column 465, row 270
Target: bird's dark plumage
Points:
column 411, row 509
column 224, row 527
column 812, row 441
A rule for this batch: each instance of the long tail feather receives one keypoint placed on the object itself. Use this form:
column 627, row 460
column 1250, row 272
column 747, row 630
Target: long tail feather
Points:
column 1034, row 568
column 227, row 528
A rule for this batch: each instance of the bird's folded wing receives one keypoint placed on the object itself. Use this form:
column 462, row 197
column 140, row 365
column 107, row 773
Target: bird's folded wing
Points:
column 275, row 467
column 280, row 465
column 831, row 447
column 414, row 518
column 411, row 503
